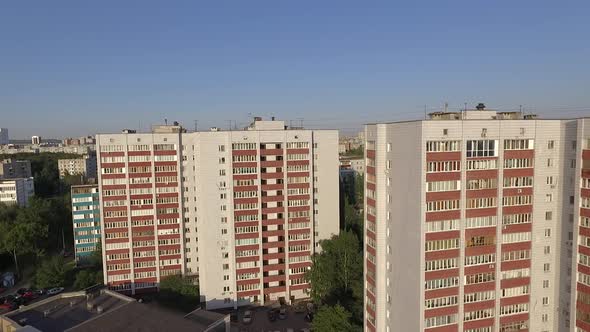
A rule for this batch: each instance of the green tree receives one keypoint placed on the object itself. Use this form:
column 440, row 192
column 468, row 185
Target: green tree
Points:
column 51, row 273
column 21, row 231
column 85, row 279
column 336, row 275
column 180, row 292
column 332, row 319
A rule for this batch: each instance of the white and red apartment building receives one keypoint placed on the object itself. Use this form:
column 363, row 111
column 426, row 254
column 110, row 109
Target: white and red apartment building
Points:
column 242, row 211
column 470, row 224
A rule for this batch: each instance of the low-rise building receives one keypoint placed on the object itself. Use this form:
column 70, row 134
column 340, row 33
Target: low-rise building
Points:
column 98, row 309
column 85, row 166
column 86, row 221
column 13, row 169
column 16, row 191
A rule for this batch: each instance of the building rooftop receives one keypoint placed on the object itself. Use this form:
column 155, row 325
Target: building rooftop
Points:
column 104, row 310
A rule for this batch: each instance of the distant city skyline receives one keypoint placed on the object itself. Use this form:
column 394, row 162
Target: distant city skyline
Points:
column 80, row 69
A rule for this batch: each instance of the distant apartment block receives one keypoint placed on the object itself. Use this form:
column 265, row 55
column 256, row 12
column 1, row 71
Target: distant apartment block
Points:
column 86, row 166
column 472, row 222
column 243, row 211
column 16, row 191
column 4, row 139
column 86, row 221
column 12, row 168
column 36, row 140
column 357, row 165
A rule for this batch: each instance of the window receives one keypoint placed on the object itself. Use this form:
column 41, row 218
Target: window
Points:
column 545, row 300
column 518, row 144
column 547, row 250
column 548, row 215
column 549, row 180
column 443, row 146
column 440, row 320
column 482, row 148
column 550, row 144
column 547, row 232
column 549, row 162
column 479, row 164
column 436, row 186
column 546, row 267
column 545, row 283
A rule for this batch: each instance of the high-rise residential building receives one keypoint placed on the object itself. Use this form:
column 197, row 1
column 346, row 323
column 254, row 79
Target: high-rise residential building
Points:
column 243, row 211
column 86, row 166
column 4, row 136
column 469, row 223
column 36, row 140
column 16, row 191
column 580, row 217
column 86, row 221
column 12, row 169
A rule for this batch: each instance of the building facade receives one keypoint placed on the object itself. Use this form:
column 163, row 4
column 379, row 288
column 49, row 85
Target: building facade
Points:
column 36, row 140
column 469, row 223
column 85, row 166
column 581, row 219
column 16, row 191
column 12, row 169
column 86, row 221
column 242, row 211
column 4, row 139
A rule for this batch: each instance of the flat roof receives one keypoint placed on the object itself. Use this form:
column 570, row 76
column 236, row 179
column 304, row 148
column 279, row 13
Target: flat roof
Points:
column 69, row 312
column 64, row 313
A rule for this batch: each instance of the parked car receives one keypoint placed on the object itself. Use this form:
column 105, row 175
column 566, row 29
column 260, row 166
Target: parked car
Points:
column 54, row 291
column 21, row 291
column 272, row 315
column 30, row 295
column 247, row 319
column 283, row 313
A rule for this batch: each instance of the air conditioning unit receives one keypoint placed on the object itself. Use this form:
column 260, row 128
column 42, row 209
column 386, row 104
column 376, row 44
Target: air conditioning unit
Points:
column 519, row 191
column 491, row 266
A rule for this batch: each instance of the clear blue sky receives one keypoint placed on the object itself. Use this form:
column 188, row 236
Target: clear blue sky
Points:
column 81, row 67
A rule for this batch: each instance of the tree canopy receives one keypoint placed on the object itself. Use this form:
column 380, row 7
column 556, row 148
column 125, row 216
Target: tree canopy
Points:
column 336, row 276
column 333, row 319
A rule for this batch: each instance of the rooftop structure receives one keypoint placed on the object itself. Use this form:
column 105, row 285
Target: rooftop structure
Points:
column 4, row 139
column 104, row 310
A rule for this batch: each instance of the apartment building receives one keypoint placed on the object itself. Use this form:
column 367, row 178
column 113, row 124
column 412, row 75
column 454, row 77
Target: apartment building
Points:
column 470, row 221
column 86, row 221
column 85, row 166
column 241, row 211
column 581, row 218
column 13, row 169
column 4, row 140
column 17, row 191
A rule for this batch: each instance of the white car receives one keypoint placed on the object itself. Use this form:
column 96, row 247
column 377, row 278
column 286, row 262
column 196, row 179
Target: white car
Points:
column 55, row 290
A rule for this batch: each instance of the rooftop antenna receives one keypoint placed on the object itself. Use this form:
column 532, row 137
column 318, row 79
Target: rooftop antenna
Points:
column 465, row 109
column 196, row 125
column 165, row 121
column 229, row 121
column 235, row 125
column 300, row 122
column 446, row 107
column 425, row 112
column 520, row 108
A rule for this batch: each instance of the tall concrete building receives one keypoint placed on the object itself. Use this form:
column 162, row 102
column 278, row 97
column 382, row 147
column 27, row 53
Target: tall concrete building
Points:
column 36, row 140
column 86, row 166
column 470, row 221
column 242, row 211
column 16, row 191
column 86, row 221
column 4, row 140
column 12, row 169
